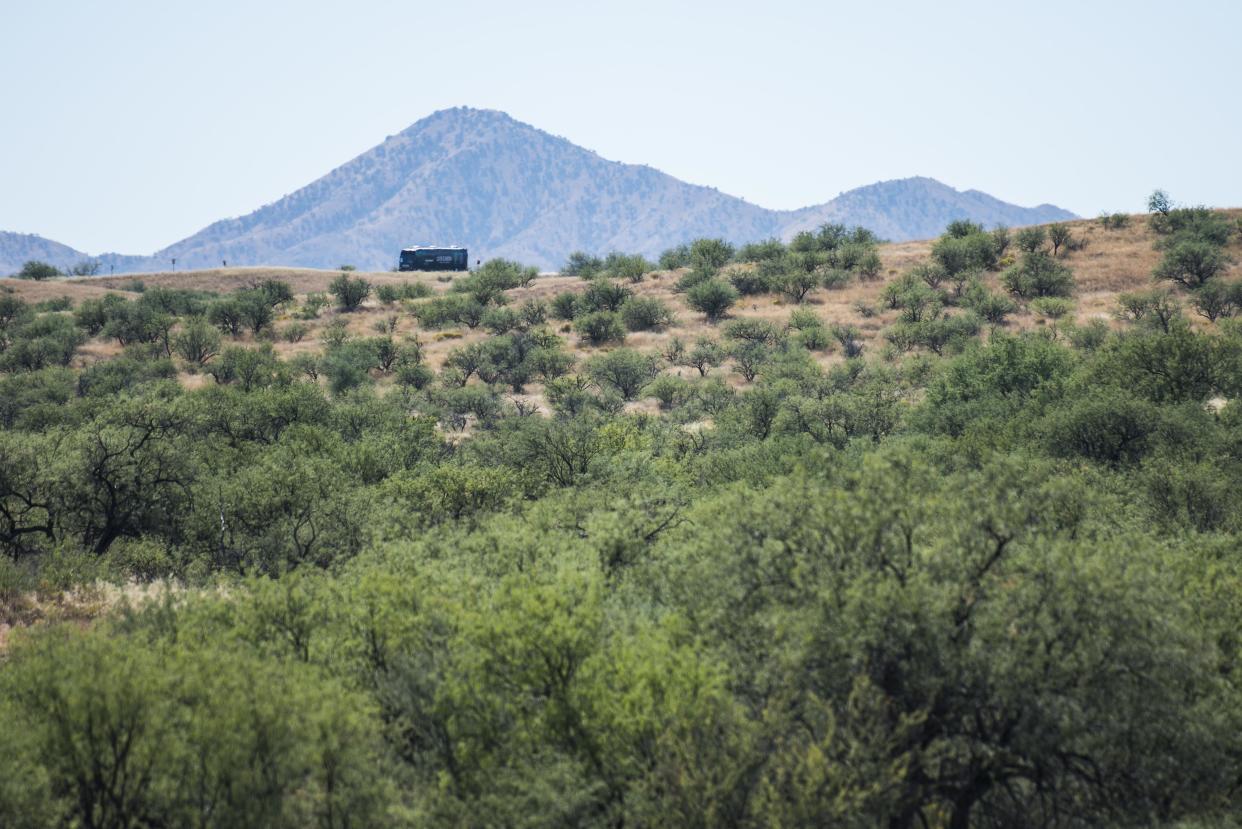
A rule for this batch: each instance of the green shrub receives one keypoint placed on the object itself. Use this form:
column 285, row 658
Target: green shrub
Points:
column 1053, row 308
column 197, row 342
column 36, row 270
column 1032, row 239
column 60, row 303
column 1114, row 221
column 668, row 390
column 1217, row 300
column 623, row 370
column 583, row 265
column 712, row 298
column 645, row 314
column 566, row 305
column 748, row 281
column 1038, row 275
column 294, row 332
column 675, row 257
column 1191, row 262
column 600, row 327
column 350, row 292
column 313, row 304
column 605, row 295
column 710, row 255
column 626, row 266
column 767, row 250
column 349, row 365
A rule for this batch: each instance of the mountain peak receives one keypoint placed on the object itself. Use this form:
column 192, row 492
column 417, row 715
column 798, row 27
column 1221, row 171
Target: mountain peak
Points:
column 482, row 179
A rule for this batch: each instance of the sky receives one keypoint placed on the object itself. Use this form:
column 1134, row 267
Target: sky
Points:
column 125, row 126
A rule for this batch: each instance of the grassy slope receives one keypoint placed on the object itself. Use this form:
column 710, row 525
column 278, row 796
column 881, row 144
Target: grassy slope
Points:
column 1111, row 262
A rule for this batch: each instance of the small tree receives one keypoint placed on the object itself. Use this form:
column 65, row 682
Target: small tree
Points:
column 1159, row 202
column 601, row 327
column 645, row 313
column 1191, row 262
column 87, row 267
column 749, row 357
column 624, row 370
column 350, row 292
column 582, row 264
column 712, row 298
column 847, row 336
column 1216, row 300
column 605, row 295
column 226, row 314
column 1031, row 239
column 710, row 255
column 706, row 355
column 36, row 270
column 627, row 266
column 197, row 342
column 1155, row 309
column 1038, row 275
column 1060, row 237
column 255, row 310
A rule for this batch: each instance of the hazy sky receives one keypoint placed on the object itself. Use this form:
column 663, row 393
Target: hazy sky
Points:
column 128, row 125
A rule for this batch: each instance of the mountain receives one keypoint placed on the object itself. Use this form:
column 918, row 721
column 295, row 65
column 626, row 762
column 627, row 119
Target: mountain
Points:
column 481, row 179
column 918, row 208
column 18, row 248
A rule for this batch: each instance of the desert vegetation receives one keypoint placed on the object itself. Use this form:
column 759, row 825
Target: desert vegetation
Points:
column 827, row 532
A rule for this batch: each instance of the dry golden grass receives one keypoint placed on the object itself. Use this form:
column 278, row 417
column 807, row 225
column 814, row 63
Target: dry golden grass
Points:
column 81, row 605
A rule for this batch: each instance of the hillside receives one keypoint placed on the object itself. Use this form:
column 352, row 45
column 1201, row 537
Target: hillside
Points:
column 1109, row 263
column 503, row 188
column 567, row 551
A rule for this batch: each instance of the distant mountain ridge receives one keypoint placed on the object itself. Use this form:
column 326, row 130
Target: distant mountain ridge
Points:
column 504, row 188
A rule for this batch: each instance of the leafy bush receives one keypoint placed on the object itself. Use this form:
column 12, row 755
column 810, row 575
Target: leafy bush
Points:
column 767, row 250
column 36, row 270
column 488, row 283
column 566, row 305
column 1060, row 236
column 1031, row 239
column 645, row 314
column 1114, row 221
column 60, row 303
column 600, row 327
column 605, row 295
column 197, row 342
column 990, row 306
column 748, row 281
column 350, row 292
column 1191, row 263
column 583, row 265
column 1053, row 308
column 349, row 365
column 314, row 303
column 669, row 391
column 1038, row 275
column 709, row 255
column 712, row 298
column 626, row 266
column 1217, row 300
column 453, row 309
column 623, row 370
column 675, row 257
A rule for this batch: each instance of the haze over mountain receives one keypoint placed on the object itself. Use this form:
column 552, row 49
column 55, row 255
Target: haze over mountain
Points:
column 481, row 179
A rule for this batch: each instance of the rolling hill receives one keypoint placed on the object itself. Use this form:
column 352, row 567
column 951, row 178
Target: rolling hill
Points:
column 503, row 188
